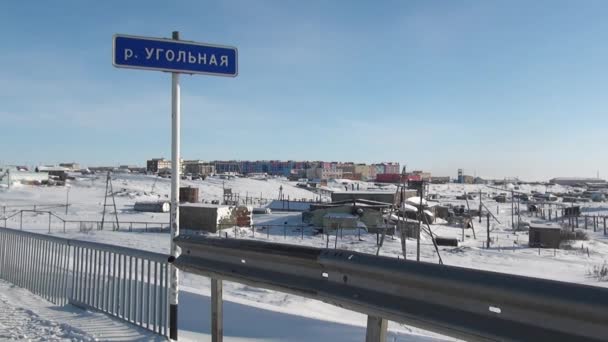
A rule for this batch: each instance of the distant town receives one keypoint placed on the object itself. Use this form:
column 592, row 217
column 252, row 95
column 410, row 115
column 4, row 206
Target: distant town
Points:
column 313, row 172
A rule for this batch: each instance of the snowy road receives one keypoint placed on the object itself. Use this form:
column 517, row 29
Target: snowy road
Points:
column 27, row 317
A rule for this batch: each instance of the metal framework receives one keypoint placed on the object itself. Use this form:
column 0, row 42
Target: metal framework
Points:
column 109, row 192
column 460, row 302
column 126, row 283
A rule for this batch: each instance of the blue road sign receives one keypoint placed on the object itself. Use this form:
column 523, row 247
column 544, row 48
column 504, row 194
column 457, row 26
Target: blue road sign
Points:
column 174, row 56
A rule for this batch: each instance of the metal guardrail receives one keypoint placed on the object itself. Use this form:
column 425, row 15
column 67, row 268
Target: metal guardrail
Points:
column 459, row 302
column 123, row 282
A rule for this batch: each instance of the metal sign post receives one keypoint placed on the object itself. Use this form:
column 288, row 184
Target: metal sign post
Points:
column 175, row 56
column 174, row 216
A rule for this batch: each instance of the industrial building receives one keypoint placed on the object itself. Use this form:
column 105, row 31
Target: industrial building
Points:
column 345, row 214
column 199, row 167
column 326, row 171
column 290, row 168
column 54, row 171
column 378, row 196
column 154, row 165
column 440, row 179
column 70, row 166
column 425, row 176
column 575, row 181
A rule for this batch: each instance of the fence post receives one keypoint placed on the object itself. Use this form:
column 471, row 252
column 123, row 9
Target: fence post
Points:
column 585, row 222
column 594, row 223
column 217, row 330
column 336, row 241
column 21, row 220
column 376, row 329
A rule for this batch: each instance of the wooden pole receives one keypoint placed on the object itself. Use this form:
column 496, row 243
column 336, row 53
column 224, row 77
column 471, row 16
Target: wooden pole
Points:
column 585, row 222
column 594, row 223
column 463, row 224
column 512, row 211
column 479, row 205
column 488, row 230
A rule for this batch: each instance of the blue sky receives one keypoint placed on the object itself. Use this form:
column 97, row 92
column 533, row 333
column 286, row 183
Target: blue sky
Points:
column 499, row 88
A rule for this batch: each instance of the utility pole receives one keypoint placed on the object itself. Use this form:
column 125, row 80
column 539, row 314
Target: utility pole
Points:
column 512, row 211
column 488, row 231
column 479, row 205
column 67, row 198
column 109, row 192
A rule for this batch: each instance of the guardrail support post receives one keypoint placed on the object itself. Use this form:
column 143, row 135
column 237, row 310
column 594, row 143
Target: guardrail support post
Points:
column 217, row 311
column 376, row 329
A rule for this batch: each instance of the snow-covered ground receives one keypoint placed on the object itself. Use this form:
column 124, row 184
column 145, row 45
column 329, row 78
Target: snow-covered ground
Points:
column 27, row 317
column 255, row 314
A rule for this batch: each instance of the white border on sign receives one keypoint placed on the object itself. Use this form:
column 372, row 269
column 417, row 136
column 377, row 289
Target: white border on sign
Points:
column 185, row 42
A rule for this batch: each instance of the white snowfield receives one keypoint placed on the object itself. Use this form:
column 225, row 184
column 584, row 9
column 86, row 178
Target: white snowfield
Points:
column 253, row 314
column 27, row 317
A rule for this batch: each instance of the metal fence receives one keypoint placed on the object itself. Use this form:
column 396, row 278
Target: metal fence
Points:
column 123, row 282
column 57, row 223
column 38, row 263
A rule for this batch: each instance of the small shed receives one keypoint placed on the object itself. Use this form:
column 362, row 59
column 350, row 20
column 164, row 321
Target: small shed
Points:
column 410, row 228
column 443, row 212
column 502, row 198
column 367, row 212
column 544, row 235
column 572, row 211
column 212, row 218
column 333, row 221
column 188, row 194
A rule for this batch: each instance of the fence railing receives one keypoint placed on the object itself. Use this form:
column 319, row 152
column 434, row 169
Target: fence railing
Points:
column 61, row 224
column 38, row 263
column 123, row 282
column 464, row 303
